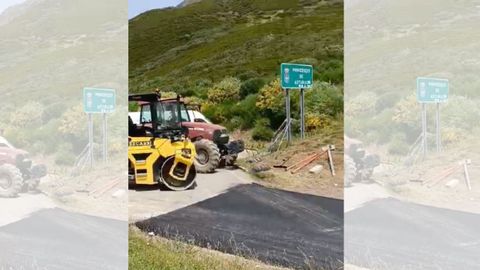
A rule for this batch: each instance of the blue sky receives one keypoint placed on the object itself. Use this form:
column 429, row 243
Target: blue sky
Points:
column 136, row 7
column 4, row 4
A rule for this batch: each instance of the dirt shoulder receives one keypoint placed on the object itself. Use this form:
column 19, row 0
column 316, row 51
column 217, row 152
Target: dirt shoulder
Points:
column 320, row 184
column 100, row 192
column 437, row 181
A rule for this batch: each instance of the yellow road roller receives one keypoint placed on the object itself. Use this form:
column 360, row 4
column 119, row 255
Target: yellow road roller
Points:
column 159, row 151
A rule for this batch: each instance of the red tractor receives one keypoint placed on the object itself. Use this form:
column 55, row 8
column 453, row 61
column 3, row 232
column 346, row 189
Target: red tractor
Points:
column 359, row 164
column 212, row 142
column 16, row 171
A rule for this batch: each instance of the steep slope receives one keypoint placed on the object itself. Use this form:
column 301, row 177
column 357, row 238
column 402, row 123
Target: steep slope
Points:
column 422, row 38
column 49, row 51
column 388, row 45
column 212, row 39
column 59, row 45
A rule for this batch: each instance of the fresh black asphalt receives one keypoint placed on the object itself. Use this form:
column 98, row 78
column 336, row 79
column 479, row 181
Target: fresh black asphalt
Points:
column 56, row 239
column 392, row 234
column 277, row 227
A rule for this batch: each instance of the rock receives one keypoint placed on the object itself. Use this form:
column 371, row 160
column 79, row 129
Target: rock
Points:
column 452, row 183
column 316, row 169
column 260, row 168
column 64, row 191
column 254, row 160
column 119, row 193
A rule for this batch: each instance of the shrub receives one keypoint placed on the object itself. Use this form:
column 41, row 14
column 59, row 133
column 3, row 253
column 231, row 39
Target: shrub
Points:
column 386, row 101
column 451, row 135
column 234, row 123
column 186, row 92
column 243, row 76
column 48, row 135
column 360, row 105
column 332, row 71
column 251, row 86
column 226, row 90
column 271, row 97
column 64, row 155
column 15, row 137
column 398, row 145
column 246, row 112
column 27, row 115
column 117, row 146
column 218, row 113
column 407, row 111
column 262, row 131
column 65, row 159
column 325, row 99
column 73, row 122
column 53, row 111
column 460, row 112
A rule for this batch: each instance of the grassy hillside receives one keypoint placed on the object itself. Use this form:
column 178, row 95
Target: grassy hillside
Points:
column 60, row 45
column 207, row 41
column 226, row 55
column 50, row 50
column 389, row 44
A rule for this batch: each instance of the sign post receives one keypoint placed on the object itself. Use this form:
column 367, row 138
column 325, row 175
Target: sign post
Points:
column 432, row 90
column 288, row 127
column 98, row 100
column 90, row 139
column 104, row 143
column 424, row 130
column 296, row 76
column 437, row 127
column 302, row 113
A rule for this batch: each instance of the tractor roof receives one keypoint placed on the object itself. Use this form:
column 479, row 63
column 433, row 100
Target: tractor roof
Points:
column 168, row 100
column 151, row 97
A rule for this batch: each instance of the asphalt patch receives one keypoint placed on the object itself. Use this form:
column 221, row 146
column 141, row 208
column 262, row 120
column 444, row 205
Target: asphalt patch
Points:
column 56, row 239
column 392, row 234
column 277, row 227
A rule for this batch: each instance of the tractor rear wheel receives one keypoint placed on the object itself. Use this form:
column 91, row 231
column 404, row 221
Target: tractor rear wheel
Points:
column 11, row 181
column 173, row 184
column 208, row 156
column 350, row 171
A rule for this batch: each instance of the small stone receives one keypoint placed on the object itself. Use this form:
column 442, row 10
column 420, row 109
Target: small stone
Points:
column 316, row 169
column 452, row 183
column 151, row 234
column 260, row 168
column 64, row 191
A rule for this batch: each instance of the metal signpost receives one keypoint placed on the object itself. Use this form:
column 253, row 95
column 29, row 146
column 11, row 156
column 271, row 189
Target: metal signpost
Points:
column 431, row 90
column 98, row 100
column 296, row 76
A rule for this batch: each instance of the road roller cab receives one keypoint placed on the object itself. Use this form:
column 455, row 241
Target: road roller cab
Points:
column 159, row 151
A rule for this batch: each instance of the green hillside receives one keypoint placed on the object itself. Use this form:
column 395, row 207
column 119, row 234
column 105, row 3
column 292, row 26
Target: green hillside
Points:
column 390, row 44
column 207, row 41
column 50, row 50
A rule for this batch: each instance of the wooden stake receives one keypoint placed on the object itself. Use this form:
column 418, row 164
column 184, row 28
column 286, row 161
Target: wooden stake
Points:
column 330, row 160
column 467, row 176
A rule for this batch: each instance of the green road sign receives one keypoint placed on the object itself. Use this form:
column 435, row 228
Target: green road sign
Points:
column 97, row 100
column 432, row 90
column 296, row 76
